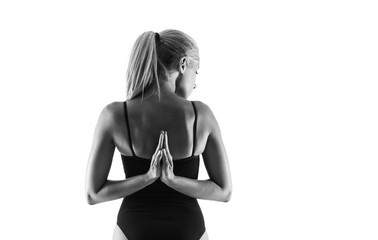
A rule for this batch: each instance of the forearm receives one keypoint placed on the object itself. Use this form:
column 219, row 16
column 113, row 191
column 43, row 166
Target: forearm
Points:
column 112, row 190
column 202, row 189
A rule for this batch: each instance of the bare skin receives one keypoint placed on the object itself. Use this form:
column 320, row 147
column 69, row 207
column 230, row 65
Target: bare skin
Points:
column 146, row 122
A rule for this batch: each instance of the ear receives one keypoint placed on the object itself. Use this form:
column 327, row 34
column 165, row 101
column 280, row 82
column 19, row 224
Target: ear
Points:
column 182, row 65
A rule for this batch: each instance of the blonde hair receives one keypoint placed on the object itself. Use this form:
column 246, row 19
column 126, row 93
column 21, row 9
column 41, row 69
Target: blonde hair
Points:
column 153, row 55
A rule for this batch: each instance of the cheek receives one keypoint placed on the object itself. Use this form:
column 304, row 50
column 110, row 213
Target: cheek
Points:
column 194, row 77
column 192, row 81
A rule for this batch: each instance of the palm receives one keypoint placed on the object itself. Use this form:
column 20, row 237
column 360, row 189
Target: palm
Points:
column 167, row 168
column 155, row 167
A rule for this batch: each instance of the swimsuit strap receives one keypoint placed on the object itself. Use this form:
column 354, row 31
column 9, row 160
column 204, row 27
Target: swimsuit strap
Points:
column 194, row 127
column 128, row 127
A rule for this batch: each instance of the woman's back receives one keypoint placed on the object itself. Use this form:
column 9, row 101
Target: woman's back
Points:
column 147, row 118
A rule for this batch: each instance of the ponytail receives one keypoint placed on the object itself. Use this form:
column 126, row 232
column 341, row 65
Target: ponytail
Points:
column 148, row 60
column 142, row 70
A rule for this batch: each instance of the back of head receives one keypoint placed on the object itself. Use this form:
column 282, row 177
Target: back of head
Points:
column 154, row 55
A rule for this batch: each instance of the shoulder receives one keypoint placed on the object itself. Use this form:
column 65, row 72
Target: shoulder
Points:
column 112, row 110
column 204, row 110
column 206, row 116
column 111, row 114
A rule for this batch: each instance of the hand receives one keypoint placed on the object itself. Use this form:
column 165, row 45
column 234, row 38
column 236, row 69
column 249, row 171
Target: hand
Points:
column 167, row 174
column 155, row 167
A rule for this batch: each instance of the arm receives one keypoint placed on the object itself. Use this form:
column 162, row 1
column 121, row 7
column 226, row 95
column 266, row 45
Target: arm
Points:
column 219, row 186
column 98, row 187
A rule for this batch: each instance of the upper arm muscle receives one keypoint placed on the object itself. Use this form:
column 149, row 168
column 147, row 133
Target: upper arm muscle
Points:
column 215, row 156
column 102, row 151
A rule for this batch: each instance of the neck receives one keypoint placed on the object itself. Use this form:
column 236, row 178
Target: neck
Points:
column 167, row 82
column 167, row 88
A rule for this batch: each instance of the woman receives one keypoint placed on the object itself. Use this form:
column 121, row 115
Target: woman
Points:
column 160, row 136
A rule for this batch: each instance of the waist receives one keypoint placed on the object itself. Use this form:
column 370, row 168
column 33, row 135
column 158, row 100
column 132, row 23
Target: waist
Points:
column 164, row 218
column 148, row 200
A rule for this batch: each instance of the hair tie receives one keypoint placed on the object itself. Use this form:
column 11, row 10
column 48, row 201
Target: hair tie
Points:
column 157, row 36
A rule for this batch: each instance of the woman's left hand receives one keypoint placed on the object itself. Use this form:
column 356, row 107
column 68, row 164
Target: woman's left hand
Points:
column 167, row 174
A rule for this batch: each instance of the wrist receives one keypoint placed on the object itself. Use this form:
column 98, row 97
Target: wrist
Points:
column 148, row 178
column 169, row 181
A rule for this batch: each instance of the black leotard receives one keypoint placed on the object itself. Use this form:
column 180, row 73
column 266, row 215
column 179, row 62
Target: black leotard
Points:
column 158, row 212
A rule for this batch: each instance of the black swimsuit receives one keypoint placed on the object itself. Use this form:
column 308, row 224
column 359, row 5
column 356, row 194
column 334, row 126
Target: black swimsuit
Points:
column 158, row 212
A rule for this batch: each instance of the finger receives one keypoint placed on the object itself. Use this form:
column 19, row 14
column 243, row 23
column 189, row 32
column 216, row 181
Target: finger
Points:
column 153, row 159
column 156, row 158
column 167, row 148
column 166, row 158
column 166, row 142
column 160, row 156
column 170, row 160
column 161, row 139
column 163, row 161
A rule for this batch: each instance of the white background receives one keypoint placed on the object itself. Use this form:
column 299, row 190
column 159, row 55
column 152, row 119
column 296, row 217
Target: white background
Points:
column 293, row 85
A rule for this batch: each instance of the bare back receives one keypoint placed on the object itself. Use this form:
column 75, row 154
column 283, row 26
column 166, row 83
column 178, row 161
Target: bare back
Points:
column 146, row 119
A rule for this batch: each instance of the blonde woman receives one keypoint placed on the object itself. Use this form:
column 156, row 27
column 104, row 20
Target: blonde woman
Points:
column 160, row 135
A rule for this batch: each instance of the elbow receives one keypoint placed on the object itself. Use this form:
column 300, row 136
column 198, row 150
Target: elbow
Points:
column 227, row 195
column 91, row 199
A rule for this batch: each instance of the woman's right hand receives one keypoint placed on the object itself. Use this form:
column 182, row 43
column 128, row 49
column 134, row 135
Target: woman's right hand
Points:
column 155, row 167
